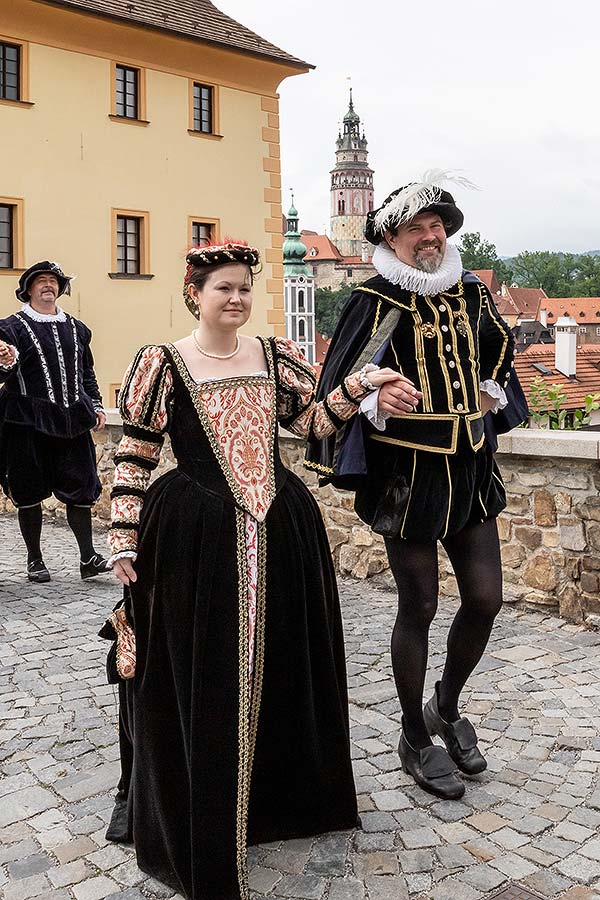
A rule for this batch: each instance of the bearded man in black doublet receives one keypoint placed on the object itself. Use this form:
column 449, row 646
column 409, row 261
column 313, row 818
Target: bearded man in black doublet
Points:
column 49, row 403
column 437, row 325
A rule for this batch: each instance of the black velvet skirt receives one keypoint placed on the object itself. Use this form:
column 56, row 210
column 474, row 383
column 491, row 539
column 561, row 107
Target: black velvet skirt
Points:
column 209, row 766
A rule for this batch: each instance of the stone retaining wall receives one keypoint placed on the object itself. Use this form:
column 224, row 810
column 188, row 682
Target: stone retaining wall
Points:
column 550, row 530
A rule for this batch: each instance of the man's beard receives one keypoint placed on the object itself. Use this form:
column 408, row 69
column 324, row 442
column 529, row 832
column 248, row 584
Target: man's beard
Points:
column 429, row 263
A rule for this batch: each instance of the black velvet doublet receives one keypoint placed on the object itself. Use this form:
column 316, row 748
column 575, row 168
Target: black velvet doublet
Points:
column 53, row 388
column 447, row 345
column 209, row 766
column 48, row 405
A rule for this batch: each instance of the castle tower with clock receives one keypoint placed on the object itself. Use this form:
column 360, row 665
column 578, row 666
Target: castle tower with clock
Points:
column 351, row 187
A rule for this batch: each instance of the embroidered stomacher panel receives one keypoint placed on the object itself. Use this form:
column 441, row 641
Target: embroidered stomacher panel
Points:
column 239, row 418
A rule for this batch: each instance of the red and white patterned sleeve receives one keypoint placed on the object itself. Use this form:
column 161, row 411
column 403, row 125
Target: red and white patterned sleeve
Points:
column 297, row 409
column 144, row 405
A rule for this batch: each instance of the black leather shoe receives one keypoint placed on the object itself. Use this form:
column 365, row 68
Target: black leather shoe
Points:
column 95, row 566
column 459, row 737
column 432, row 769
column 37, row 571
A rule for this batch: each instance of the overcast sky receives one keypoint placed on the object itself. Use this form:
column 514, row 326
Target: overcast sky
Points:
column 508, row 92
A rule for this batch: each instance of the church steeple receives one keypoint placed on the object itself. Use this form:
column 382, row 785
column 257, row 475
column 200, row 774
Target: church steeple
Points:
column 294, row 251
column 351, row 185
column 298, row 289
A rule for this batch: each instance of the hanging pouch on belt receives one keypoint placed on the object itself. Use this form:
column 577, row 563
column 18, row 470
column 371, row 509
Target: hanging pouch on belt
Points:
column 391, row 507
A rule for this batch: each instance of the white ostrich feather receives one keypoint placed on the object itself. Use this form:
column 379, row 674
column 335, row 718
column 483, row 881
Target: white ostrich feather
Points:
column 415, row 197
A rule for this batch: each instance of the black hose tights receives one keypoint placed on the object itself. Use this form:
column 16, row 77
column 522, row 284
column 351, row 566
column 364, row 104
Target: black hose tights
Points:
column 475, row 556
column 80, row 522
column 30, row 523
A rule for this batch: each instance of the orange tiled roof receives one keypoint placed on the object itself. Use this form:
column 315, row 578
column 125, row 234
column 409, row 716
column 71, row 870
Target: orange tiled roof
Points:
column 505, row 305
column 325, row 249
column 489, row 279
column 354, row 261
column 587, row 380
column 582, row 309
column 321, row 348
column 528, row 301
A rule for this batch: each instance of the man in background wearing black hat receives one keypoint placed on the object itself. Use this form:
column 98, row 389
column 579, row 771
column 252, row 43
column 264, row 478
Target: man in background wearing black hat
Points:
column 49, row 403
column 420, row 465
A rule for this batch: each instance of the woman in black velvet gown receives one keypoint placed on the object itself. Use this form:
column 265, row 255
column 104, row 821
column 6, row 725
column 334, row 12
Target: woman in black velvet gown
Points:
column 234, row 729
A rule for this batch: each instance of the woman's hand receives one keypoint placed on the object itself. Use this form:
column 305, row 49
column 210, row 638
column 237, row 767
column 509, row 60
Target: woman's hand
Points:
column 397, row 394
column 124, row 571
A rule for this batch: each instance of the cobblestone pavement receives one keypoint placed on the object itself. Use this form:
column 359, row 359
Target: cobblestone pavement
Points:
column 533, row 817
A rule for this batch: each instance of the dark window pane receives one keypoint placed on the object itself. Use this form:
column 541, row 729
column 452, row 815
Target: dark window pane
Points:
column 201, row 234
column 126, row 92
column 10, row 58
column 203, row 108
column 128, row 245
column 6, row 237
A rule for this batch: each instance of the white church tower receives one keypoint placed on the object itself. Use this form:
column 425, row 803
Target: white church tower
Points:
column 298, row 289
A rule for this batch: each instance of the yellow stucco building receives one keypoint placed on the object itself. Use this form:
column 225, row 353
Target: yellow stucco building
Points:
column 129, row 131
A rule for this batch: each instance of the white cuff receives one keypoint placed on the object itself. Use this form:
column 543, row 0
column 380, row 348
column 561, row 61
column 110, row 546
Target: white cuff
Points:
column 124, row 554
column 364, row 376
column 491, row 387
column 14, row 362
column 369, row 407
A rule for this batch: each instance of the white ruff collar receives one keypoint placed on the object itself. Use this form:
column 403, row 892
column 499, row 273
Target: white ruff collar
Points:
column 59, row 316
column 415, row 280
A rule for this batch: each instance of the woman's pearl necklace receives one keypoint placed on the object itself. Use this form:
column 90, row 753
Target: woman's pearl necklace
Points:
column 216, row 355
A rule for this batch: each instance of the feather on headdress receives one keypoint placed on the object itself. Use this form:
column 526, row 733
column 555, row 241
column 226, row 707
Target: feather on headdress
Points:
column 405, row 204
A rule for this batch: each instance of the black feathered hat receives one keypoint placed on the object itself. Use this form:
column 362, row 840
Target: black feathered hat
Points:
column 406, row 202
column 43, row 268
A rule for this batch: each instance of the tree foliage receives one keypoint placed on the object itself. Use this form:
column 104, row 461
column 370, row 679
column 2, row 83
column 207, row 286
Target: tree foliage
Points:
column 559, row 274
column 477, row 253
column 328, row 307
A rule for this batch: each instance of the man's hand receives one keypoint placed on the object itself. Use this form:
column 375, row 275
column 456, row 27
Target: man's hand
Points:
column 100, row 420
column 397, row 394
column 7, row 355
column 124, row 571
column 487, row 403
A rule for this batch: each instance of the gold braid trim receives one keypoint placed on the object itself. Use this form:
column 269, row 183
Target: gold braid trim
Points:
column 376, row 322
column 326, row 470
column 243, row 791
column 411, row 305
column 259, row 653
